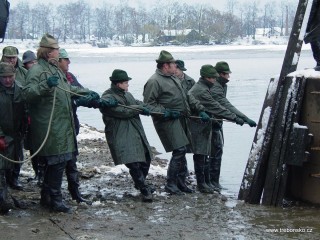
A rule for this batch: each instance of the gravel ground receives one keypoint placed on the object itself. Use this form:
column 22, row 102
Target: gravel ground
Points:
column 118, row 213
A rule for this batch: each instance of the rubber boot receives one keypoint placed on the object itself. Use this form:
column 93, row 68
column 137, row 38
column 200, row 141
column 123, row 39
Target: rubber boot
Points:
column 35, row 166
column 145, row 166
column 173, row 171
column 139, row 181
column 45, row 200
column 207, row 176
column 215, row 159
column 199, row 164
column 53, row 180
column 4, row 205
column 41, row 172
column 73, row 182
column 12, row 177
column 183, row 172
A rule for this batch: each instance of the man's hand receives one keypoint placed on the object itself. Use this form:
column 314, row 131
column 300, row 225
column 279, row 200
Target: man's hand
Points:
column 2, row 144
column 204, row 117
column 239, row 121
column 52, row 81
column 250, row 122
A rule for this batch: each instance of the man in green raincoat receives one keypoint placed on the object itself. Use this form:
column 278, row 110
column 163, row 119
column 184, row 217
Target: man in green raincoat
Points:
column 219, row 93
column 47, row 88
column 12, row 127
column 124, row 132
column 163, row 91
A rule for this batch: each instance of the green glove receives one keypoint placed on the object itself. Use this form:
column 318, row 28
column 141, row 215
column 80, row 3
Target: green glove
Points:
column 250, row 122
column 52, row 81
column 239, row 121
column 145, row 111
column 204, row 117
column 166, row 114
column 94, row 95
column 108, row 102
column 175, row 114
column 84, row 101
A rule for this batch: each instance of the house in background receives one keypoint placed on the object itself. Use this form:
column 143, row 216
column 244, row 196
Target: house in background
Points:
column 177, row 37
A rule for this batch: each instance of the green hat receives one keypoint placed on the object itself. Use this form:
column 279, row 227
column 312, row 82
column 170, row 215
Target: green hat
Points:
column 28, row 56
column 165, row 57
column 222, row 67
column 119, row 75
column 48, row 41
column 6, row 69
column 10, row 51
column 208, row 71
column 180, row 65
column 63, row 53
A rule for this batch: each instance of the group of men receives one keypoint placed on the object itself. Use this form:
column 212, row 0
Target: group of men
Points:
column 40, row 97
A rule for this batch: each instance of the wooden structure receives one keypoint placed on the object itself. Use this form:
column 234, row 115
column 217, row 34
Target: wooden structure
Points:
column 280, row 142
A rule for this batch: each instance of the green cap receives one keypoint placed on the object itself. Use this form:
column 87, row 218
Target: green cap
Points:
column 48, row 41
column 165, row 57
column 180, row 65
column 208, row 71
column 6, row 69
column 10, row 51
column 63, row 53
column 222, row 67
column 119, row 75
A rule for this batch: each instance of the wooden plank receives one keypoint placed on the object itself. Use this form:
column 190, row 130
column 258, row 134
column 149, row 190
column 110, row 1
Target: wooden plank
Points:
column 254, row 176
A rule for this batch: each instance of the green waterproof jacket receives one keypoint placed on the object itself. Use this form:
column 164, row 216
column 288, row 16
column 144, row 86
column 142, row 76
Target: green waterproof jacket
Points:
column 219, row 93
column 202, row 132
column 165, row 92
column 12, row 124
column 21, row 75
column 187, row 82
column 123, row 128
column 40, row 97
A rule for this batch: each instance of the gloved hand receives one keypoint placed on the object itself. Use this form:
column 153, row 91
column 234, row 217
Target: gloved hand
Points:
column 204, row 117
column 2, row 144
column 84, row 101
column 52, row 81
column 145, row 111
column 239, row 121
column 175, row 114
column 250, row 122
column 94, row 95
column 166, row 114
column 107, row 102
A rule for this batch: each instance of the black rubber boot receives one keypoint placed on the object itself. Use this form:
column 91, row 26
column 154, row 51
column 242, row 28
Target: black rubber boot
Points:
column 199, row 164
column 145, row 166
column 215, row 159
column 12, row 177
column 207, row 176
column 183, row 172
column 53, row 180
column 73, row 182
column 139, row 181
column 4, row 205
column 174, row 169
column 35, row 166
column 41, row 172
column 45, row 200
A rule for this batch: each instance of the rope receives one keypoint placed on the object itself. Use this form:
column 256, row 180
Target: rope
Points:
column 46, row 137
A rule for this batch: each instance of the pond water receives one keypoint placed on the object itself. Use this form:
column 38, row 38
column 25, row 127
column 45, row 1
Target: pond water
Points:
column 252, row 68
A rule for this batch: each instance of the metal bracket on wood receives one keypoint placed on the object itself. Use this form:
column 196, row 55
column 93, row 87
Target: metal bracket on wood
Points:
column 315, row 148
column 315, row 92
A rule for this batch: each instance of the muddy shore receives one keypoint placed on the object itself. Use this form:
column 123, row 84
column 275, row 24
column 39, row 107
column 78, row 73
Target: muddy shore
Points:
column 118, row 213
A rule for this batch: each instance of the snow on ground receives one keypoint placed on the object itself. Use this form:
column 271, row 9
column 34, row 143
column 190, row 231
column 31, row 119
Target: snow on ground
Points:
column 261, row 43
